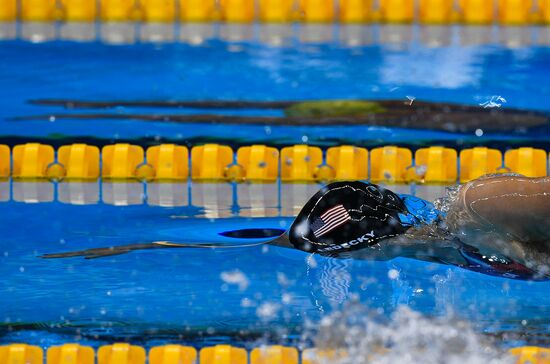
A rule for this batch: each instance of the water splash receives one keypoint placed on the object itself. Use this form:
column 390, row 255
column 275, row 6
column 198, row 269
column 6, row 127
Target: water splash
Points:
column 235, row 277
column 267, row 311
column 363, row 336
column 494, row 101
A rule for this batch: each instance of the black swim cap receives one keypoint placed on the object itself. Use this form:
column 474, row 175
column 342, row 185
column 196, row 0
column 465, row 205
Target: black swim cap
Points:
column 345, row 216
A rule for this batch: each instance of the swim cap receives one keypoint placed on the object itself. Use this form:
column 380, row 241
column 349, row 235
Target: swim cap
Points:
column 345, row 216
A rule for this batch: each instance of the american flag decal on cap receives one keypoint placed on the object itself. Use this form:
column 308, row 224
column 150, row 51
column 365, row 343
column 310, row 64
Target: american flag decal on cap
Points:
column 330, row 220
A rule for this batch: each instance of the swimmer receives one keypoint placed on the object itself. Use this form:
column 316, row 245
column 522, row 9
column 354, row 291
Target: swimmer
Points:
column 497, row 225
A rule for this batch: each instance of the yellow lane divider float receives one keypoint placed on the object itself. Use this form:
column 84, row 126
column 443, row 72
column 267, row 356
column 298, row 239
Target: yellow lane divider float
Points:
column 80, row 161
column 211, row 162
column 21, row 354
column 477, row 11
column 507, row 12
column 544, row 11
column 515, row 12
column 197, row 10
column 5, row 163
column 436, row 11
column 117, row 10
column 276, row 11
column 79, row 10
column 479, row 161
column 32, row 160
column 121, row 161
column 260, row 163
column 532, row 355
column 317, row 11
column 356, row 11
column 70, row 354
column 223, row 354
column 122, row 353
column 397, row 11
column 158, row 11
column 237, row 11
column 436, row 165
column 390, row 164
column 172, row 354
column 527, row 161
column 8, row 10
column 169, row 162
column 300, row 163
column 348, row 163
column 276, row 354
column 38, row 10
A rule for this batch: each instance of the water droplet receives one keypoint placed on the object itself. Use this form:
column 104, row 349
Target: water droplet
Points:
column 286, row 298
column 267, row 310
column 393, row 274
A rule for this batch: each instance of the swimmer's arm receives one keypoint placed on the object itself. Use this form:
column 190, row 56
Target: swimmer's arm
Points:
column 281, row 241
column 426, row 249
column 123, row 249
column 514, row 205
column 507, row 215
column 106, row 252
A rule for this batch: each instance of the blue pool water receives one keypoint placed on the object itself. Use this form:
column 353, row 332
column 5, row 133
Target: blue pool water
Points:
column 183, row 291
column 188, row 295
column 253, row 71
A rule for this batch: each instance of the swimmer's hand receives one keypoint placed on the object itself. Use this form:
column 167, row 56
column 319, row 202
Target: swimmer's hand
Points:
column 123, row 249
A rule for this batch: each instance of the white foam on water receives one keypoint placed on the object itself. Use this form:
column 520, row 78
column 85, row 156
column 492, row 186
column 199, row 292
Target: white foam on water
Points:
column 408, row 337
column 267, row 311
column 235, row 277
